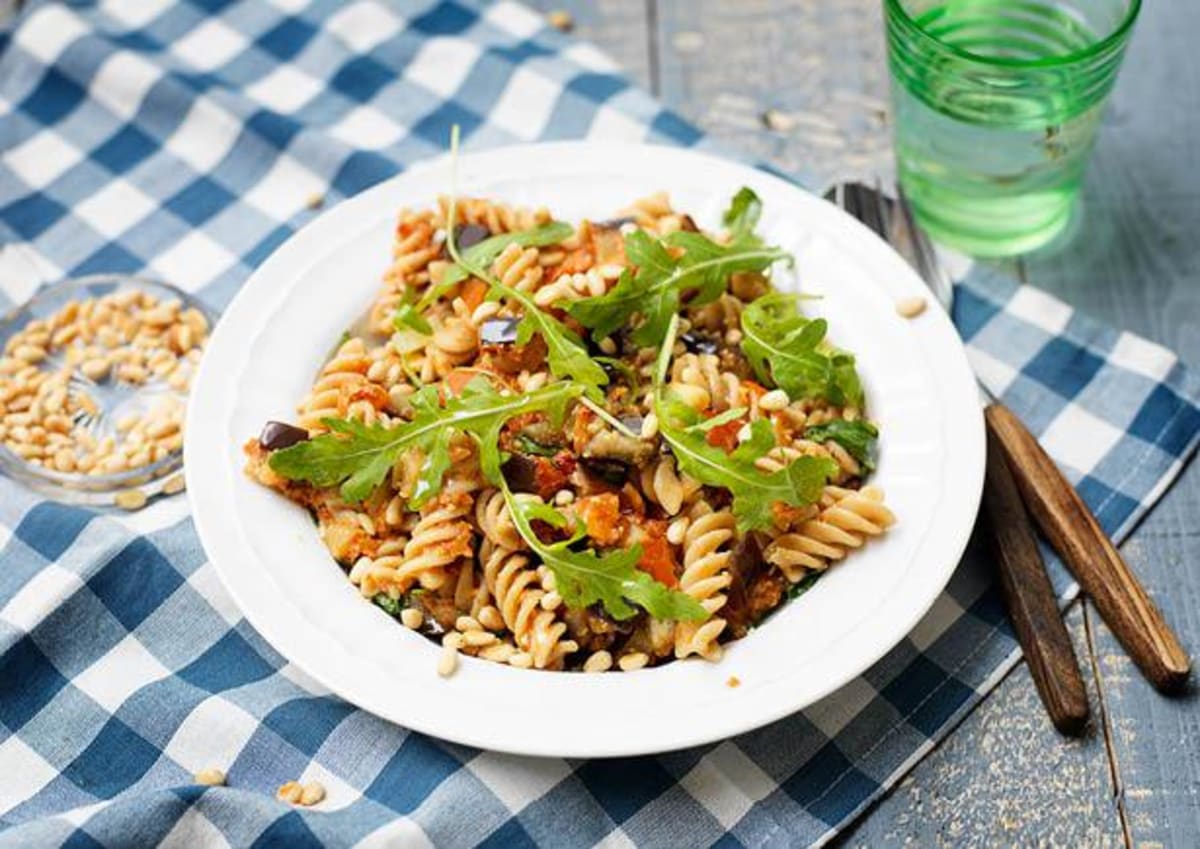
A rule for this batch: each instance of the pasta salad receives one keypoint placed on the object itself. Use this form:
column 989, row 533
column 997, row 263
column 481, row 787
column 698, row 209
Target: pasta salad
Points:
column 591, row 447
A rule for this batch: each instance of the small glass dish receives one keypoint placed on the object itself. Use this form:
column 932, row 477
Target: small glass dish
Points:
column 112, row 399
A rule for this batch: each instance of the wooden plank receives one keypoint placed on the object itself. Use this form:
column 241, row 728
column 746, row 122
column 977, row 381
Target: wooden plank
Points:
column 1004, row 778
column 620, row 27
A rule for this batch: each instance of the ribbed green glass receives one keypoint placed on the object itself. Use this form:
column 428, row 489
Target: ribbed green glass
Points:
column 996, row 105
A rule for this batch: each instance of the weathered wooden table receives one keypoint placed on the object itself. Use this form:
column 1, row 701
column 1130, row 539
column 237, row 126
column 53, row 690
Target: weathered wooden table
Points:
column 1004, row 777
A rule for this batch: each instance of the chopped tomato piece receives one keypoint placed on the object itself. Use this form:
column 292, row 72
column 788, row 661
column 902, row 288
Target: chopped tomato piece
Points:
column 657, row 558
column 724, row 436
column 458, row 379
column 601, row 515
column 473, row 293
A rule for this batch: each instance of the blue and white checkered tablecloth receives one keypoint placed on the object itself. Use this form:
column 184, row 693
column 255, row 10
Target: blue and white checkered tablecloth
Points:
column 185, row 140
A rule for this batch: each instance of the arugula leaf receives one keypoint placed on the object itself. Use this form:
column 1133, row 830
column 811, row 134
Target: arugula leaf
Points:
column 788, row 350
column 586, row 577
column 743, row 213
column 530, row 446
column 657, row 288
column 720, row 419
column 390, row 606
column 360, row 456
column 857, row 437
column 408, row 316
column 754, row 492
column 483, row 254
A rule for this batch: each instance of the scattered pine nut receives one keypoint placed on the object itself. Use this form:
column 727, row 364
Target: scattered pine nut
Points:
column 448, row 662
column 733, row 681
column 911, row 307
column 778, row 120
column 212, row 777
column 290, row 792
column 412, row 618
column 174, row 485
column 312, row 793
column 315, row 201
column 561, row 20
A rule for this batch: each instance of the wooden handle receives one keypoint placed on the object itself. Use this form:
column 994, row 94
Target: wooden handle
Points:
column 1032, row 605
column 1073, row 531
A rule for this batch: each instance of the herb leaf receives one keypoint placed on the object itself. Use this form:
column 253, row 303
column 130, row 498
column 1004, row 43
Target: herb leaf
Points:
column 857, row 437
column 656, row 290
column 754, row 492
column 360, row 456
column 743, row 213
column 408, row 316
column 788, row 350
column 483, row 254
column 586, row 577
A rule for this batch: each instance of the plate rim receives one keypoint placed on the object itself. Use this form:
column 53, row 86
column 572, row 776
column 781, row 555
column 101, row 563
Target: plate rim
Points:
column 200, row 483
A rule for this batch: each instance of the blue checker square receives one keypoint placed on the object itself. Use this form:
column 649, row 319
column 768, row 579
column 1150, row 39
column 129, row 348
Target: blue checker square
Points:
column 111, row 258
column 911, row 694
column 412, row 774
column 597, row 87
column 361, row 170
column 290, row 831
column 287, row 38
column 80, row 839
column 511, row 835
column 1166, row 420
column 113, row 762
column 362, row 78
column 125, row 149
column 28, row 681
column 829, row 787
column 435, row 127
column 623, row 786
column 32, row 215
column 50, row 528
column 1063, row 367
column 307, row 723
column 55, row 97
column 200, row 201
column 444, row 19
column 229, row 663
column 135, row 582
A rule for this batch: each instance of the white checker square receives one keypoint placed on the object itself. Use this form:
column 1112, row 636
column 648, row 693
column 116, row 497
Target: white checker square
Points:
column 25, row 773
column 43, row 158
column 363, row 25
column 78, row 816
column 206, row 583
column 49, row 31
column 835, row 712
column 591, row 57
column 119, row 673
column 514, row 18
column 518, row 781
column 115, row 208
column 525, row 105
column 122, row 81
column 1142, row 356
column 210, row 45
column 191, row 830
column 193, row 261
column 366, row 128
column 944, row 613
column 285, row 189
column 162, row 512
column 212, row 735
column 727, row 784
column 996, row 375
column 290, row 5
column 442, row 64
column 400, row 832
column 204, row 137
column 1039, row 309
column 338, row 794
column 1078, row 439
column 615, row 839
column 303, row 680
column 135, row 14
column 610, row 125
column 285, row 89
column 39, row 597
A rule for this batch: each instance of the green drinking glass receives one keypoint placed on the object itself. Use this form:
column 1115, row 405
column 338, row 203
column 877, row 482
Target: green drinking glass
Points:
column 996, row 104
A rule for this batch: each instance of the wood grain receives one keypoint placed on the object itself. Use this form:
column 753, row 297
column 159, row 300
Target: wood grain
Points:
column 1076, row 535
column 1030, row 598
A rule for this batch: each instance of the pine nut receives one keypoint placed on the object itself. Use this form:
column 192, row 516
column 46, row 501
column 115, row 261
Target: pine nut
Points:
column 211, row 777
column 412, row 618
column 774, row 400
column 911, row 307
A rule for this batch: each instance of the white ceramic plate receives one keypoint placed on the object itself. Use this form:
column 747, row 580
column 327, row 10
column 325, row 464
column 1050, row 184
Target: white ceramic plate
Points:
column 277, row 332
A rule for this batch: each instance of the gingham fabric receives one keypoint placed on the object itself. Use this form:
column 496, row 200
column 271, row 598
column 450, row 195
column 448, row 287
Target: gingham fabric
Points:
column 185, row 141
